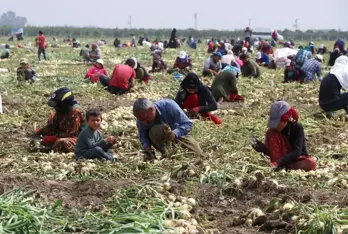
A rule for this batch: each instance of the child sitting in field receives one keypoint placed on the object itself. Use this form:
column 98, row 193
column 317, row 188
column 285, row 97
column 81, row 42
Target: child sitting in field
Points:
column 90, row 143
column 25, row 73
column 94, row 72
column 158, row 64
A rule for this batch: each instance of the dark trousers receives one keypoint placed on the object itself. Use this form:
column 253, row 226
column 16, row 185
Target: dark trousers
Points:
column 42, row 51
column 338, row 104
column 99, row 153
column 104, row 80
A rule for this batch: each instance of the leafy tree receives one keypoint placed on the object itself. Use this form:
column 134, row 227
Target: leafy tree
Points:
column 10, row 19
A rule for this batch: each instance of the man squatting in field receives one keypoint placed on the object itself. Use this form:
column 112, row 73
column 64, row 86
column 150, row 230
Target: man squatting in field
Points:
column 162, row 123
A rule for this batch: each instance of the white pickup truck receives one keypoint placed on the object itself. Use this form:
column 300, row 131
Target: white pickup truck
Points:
column 265, row 33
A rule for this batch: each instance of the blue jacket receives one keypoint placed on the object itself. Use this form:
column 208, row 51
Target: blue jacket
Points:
column 169, row 113
column 265, row 58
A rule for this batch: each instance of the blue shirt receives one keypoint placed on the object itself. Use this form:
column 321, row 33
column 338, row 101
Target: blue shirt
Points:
column 302, row 56
column 312, row 67
column 169, row 113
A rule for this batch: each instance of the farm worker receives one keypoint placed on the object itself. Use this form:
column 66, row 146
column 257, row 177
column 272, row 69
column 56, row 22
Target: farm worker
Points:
column 173, row 41
column 250, row 68
column 229, row 60
column 312, row 67
column 122, row 79
column 275, row 35
column 312, row 47
column 158, row 63
column 182, row 64
column 140, row 71
column 40, row 41
column 24, row 72
column 211, row 47
column 302, row 56
column 237, row 49
column 338, row 51
column 330, row 97
column 285, row 141
column 213, row 65
column 64, row 125
column 162, row 123
column 133, row 41
column 196, row 98
column 222, row 50
column 5, row 52
column 117, row 43
column 293, row 73
column 224, row 87
column 84, row 53
column 90, row 142
column 322, row 49
column 95, row 71
column 266, row 48
column 247, row 34
column 262, row 59
column 95, row 53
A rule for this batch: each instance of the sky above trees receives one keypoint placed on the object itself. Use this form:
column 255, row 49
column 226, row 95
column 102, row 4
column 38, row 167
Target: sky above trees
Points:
column 312, row 14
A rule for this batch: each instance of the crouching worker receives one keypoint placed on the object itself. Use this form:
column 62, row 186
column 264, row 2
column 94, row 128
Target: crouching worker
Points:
column 122, row 79
column 224, row 88
column 182, row 64
column 197, row 98
column 162, row 123
column 140, row 71
column 213, row 66
column 25, row 73
column 90, row 143
column 330, row 97
column 64, row 125
column 285, row 140
column 94, row 72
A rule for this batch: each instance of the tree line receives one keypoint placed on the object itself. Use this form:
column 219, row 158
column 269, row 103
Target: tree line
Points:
column 10, row 20
column 66, row 31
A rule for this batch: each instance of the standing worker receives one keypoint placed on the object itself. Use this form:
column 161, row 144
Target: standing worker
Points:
column 40, row 41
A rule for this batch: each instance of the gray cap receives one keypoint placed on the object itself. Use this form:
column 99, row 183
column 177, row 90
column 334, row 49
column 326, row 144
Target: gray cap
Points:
column 278, row 109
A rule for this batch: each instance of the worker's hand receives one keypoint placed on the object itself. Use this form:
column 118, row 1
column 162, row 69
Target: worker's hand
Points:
column 195, row 110
column 169, row 133
column 149, row 155
column 111, row 140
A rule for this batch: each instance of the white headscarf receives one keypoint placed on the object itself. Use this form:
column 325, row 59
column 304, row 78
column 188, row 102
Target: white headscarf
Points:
column 136, row 62
column 340, row 70
column 229, row 58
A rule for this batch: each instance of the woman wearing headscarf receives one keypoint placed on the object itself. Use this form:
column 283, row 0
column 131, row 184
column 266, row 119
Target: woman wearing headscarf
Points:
column 285, row 142
column 173, row 43
column 182, row 64
column 64, row 125
column 224, row 87
column 95, row 71
column 293, row 73
column 330, row 97
column 337, row 52
column 141, row 72
column 197, row 98
column 229, row 59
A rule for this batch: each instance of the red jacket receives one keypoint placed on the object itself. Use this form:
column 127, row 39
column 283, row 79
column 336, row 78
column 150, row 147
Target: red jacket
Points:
column 93, row 71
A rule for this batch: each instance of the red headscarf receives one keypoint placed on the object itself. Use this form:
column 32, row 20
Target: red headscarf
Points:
column 291, row 115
